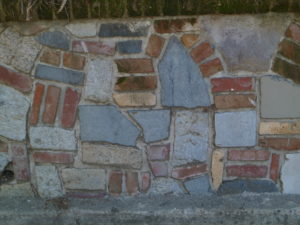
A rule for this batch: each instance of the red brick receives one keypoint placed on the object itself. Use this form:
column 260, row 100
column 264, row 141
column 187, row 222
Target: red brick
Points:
column 159, row 152
column 3, row 146
column 211, row 67
column 274, row 169
column 18, row 151
column 68, row 117
column 132, row 184
column 20, row 162
column 146, row 181
column 248, row 171
column 74, row 61
column 286, row 69
column 159, row 169
column 136, row 83
column 232, row 84
column 284, row 144
column 115, row 182
column 189, row 39
column 53, row 157
column 174, row 25
column 135, row 65
column 201, row 52
column 155, row 45
column 248, row 155
column 189, row 171
column 95, row 47
column 50, row 56
column 290, row 50
column 51, row 104
column 293, row 32
column 36, row 105
column 16, row 80
column 234, row 101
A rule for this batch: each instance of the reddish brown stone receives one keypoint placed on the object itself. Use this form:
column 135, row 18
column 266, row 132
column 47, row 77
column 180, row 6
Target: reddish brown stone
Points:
column 74, row 61
column 234, row 101
column 51, row 104
column 232, row 84
column 36, row 105
column 3, row 146
column 248, row 155
column 50, row 56
column 174, row 25
column 211, row 67
column 95, row 47
column 20, row 162
column 290, row 50
column 155, row 45
column 53, row 157
column 68, row 117
column 135, row 65
column 189, row 39
column 201, row 52
column 286, row 69
column 189, row 171
column 159, row 152
column 159, row 169
column 18, row 151
column 115, row 182
column 274, row 169
column 132, row 184
column 293, row 32
column 146, row 181
column 137, row 83
column 248, row 171
column 284, row 144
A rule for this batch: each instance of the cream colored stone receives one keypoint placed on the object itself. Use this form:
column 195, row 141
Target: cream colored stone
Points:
column 279, row 128
column 135, row 99
column 217, row 166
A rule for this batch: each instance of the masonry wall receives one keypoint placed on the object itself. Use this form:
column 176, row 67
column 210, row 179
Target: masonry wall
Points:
column 195, row 105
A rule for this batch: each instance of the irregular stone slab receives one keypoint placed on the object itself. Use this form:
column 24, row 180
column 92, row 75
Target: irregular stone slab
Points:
column 48, row 182
column 241, row 185
column 290, row 176
column 55, row 39
column 155, row 123
column 106, row 123
column 129, row 47
column 217, row 168
column 4, row 160
column 9, row 41
column 161, row 186
column 59, row 74
column 98, row 86
column 234, row 129
column 138, row 29
column 279, row 98
column 13, row 112
column 86, row 179
column 83, row 29
column 135, row 99
column 191, row 137
column 198, row 186
column 112, row 155
column 52, row 138
column 182, row 83
column 32, row 28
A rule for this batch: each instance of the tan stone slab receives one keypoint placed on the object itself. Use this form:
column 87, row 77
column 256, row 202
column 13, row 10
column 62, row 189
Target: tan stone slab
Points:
column 135, row 99
column 217, row 167
column 279, row 128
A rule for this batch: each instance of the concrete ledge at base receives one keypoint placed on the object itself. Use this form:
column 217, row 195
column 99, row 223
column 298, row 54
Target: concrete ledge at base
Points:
column 167, row 210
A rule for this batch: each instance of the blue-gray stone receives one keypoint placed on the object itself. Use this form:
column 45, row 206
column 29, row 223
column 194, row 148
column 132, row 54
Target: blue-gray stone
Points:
column 182, row 83
column 59, row 74
column 55, row 39
column 129, row 47
column 198, row 186
column 235, row 129
column 106, row 124
column 123, row 30
column 155, row 123
column 239, row 186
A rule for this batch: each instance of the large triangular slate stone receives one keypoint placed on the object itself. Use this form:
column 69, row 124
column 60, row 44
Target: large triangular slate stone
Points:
column 182, row 83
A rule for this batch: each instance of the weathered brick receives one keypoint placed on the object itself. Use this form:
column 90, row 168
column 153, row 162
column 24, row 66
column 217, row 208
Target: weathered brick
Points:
column 53, row 157
column 293, row 32
column 201, row 52
column 234, row 101
column 284, row 144
column 232, row 84
column 36, row 105
column 145, row 181
column 135, row 65
column 155, row 45
column 159, row 152
column 217, row 167
column 189, row 171
column 290, row 50
column 124, row 30
column 249, row 171
column 20, row 162
column 211, row 67
column 248, row 155
column 3, row 146
column 135, row 99
column 129, row 47
column 274, row 169
column 136, row 83
column 176, row 25
column 132, row 184
column 16, row 80
column 18, row 151
column 279, row 128
column 115, row 182
column 50, row 56
column 68, row 117
column 189, row 39
column 74, row 61
column 159, row 169
column 51, row 104
column 94, row 47
column 286, row 69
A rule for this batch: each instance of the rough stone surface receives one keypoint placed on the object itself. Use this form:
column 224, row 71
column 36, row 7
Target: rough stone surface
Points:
column 135, row 65
column 82, row 29
column 13, row 113
column 52, row 138
column 86, row 179
column 155, row 123
column 55, row 39
column 9, row 41
column 217, row 167
column 279, row 98
column 189, row 39
column 137, row 29
column 191, row 137
column 198, row 186
column 165, row 186
column 107, row 124
column 129, row 47
column 4, row 160
column 112, row 155
column 234, row 129
column 136, row 83
column 50, row 56
column 48, row 182
column 155, row 45
column 98, row 85
column 290, row 174
column 135, row 99
column 32, row 28
column 182, row 83
column 279, row 128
